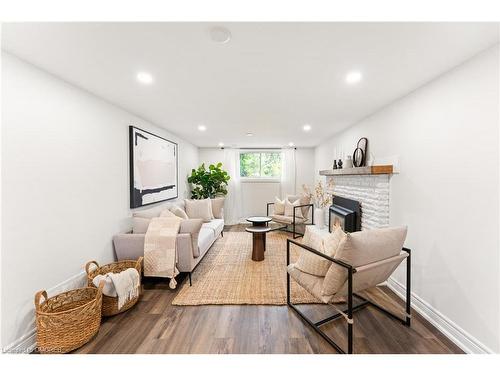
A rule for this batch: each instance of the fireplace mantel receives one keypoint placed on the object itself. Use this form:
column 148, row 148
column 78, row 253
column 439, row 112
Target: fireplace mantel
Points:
column 373, row 170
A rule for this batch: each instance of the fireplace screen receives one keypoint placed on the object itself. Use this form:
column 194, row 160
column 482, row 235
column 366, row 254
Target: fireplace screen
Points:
column 346, row 213
column 337, row 220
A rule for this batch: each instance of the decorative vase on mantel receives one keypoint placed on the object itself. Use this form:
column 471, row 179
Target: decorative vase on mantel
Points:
column 319, row 217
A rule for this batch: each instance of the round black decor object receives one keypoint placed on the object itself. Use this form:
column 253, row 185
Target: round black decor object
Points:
column 363, row 145
column 358, row 157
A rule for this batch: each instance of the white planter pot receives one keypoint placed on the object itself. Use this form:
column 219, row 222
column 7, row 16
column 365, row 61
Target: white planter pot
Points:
column 319, row 217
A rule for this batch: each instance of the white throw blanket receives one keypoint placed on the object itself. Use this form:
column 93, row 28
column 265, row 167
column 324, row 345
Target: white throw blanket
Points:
column 160, row 255
column 124, row 285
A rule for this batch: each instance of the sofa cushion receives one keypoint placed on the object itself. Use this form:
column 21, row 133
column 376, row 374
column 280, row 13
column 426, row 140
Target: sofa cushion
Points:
column 217, row 207
column 304, row 199
column 216, row 225
column 290, row 210
column 309, row 282
column 149, row 213
column 326, row 243
column 199, row 209
column 279, row 206
column 140, row 225
column 287, row 219
column 167, row 213
column 176, row 210
column 205, row 239
column 192, row 227
column 361, row 249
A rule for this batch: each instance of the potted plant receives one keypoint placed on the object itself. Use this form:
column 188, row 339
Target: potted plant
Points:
column 208, row 183
column 322, row 198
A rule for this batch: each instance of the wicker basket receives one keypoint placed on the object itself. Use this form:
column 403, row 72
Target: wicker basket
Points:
column 110, row 304
column 68, row 320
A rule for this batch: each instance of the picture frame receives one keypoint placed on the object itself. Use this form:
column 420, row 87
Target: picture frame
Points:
column 154, row 168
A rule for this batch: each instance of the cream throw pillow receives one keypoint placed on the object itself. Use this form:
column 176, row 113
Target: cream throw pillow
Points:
column 279, row 206
column 289, row 209
column 329, row 245
column 217, row 207
column 199, row 209
column 140, row 225
column 166, row 213
column 177, row 211
column 362, row 248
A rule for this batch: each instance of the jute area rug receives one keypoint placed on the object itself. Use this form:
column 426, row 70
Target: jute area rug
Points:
column 228, row 276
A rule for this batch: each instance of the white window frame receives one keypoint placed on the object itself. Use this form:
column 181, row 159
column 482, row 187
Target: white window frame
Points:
column 258, row 179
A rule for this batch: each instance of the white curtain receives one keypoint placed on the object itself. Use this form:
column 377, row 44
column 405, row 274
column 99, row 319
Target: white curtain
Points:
column 233, row 203
column 288, row 172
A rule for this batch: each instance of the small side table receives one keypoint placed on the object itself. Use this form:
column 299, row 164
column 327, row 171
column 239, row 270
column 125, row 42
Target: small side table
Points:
column 259, row 221
column 258, row 241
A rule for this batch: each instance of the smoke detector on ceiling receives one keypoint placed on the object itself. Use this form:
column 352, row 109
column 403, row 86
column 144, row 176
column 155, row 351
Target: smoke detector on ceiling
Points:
column 220, row 34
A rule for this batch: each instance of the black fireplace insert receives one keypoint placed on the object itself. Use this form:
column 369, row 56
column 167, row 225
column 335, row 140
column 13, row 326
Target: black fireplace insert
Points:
column 346, row 213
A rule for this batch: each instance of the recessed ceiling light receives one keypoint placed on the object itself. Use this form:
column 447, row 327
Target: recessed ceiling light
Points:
column 353, row 77
column 202, row 128
column 306, row 127
column 220, row 34
column 145, row 78
column 249, row 134
column 221, row 144
column 291, row 144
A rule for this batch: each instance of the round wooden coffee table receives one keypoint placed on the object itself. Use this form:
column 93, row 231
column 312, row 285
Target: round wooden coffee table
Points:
column 259, row 221
column 258, row 241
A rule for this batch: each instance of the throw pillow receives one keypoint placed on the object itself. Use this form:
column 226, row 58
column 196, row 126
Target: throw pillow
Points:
column 177, row 211
column 304, row 199
column 362, row 248
column 289, row 209
column 149, row 213
column 279, row 206
column 199, row 209
column 166, row 213
column 327, row 244
column 217, row 207
column 140, row 225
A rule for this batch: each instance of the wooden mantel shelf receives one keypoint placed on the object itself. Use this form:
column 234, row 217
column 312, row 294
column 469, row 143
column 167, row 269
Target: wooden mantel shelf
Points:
column 374, row 169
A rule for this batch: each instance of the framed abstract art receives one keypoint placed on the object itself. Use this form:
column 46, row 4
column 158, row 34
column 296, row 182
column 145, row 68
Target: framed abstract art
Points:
column 153, row 168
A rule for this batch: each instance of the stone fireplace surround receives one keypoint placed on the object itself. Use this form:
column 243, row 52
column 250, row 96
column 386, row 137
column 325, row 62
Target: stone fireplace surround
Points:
column 371, row 190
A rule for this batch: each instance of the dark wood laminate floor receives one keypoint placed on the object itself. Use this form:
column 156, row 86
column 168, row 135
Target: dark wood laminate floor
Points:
column 155, row 326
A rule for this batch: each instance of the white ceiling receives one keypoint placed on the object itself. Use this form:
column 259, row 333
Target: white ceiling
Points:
column 270, row 79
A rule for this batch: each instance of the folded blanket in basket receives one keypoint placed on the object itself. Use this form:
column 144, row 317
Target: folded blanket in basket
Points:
column 124, row 285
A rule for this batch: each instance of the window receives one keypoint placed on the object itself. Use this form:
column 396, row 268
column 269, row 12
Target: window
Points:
column 260, row 164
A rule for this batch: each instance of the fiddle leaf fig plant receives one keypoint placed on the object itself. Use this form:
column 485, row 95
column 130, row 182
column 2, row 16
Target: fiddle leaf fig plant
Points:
column 208, row 183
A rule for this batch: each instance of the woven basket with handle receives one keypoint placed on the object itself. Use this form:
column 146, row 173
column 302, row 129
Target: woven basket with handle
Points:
column 110, row 304
column 68, row 320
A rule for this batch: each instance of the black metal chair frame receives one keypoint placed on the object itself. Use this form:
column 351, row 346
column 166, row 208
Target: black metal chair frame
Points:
column 294, row 224
column 350, row 308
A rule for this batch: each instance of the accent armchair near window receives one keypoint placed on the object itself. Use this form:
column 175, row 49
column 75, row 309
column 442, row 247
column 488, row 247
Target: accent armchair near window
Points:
column 362, row 260
column 295, row 218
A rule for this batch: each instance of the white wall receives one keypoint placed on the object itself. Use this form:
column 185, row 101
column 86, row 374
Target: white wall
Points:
column 256, row 194
column 445, row 135
column 65, row 185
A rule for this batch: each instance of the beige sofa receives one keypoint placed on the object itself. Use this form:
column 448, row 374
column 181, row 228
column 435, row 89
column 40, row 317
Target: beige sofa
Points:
column 193, row 241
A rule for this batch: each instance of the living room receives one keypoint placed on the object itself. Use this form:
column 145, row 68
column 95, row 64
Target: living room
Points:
column 250, row 187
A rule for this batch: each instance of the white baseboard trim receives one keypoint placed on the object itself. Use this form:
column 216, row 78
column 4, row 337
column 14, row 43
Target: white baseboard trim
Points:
column 23, row 345
column 27, row 343
column 468, row 343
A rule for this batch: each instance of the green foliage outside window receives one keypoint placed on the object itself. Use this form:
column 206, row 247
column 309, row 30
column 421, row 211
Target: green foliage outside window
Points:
column 260, row 164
